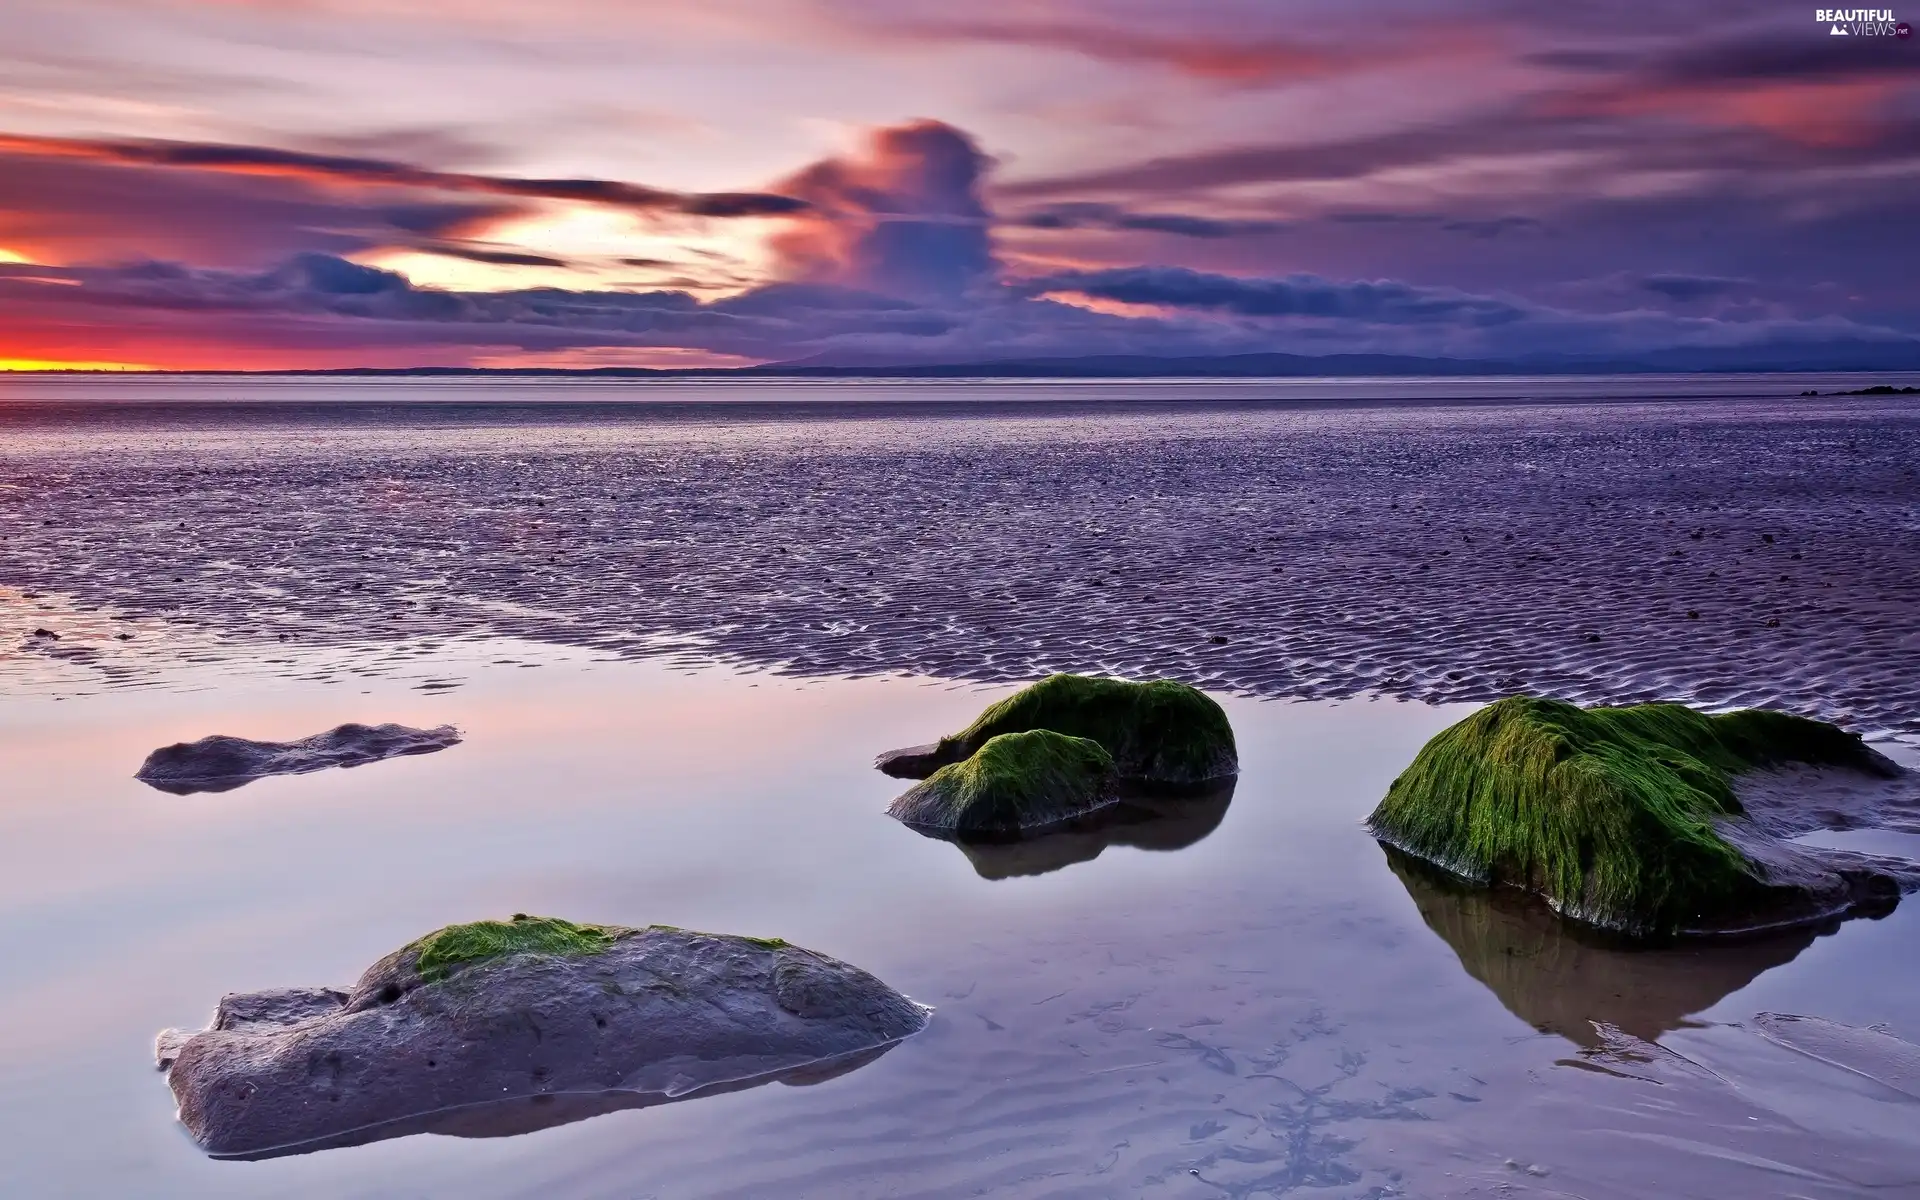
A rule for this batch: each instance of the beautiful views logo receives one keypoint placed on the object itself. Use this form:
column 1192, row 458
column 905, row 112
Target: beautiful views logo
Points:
column 1862, row 22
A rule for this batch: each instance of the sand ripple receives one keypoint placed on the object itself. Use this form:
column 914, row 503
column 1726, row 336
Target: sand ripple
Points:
column 1721, row 552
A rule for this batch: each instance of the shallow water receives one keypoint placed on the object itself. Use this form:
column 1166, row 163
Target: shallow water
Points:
column 675, row 628
column 1270, row 1010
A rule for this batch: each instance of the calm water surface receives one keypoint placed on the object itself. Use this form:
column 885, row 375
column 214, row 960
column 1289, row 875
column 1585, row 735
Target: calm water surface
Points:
column 1272, row 1010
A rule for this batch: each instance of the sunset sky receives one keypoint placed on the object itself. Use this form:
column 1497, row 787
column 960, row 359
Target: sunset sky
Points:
column 277, row 183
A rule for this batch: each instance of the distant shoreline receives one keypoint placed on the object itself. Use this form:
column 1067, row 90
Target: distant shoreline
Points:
column 856, row 376
column 1894, row 360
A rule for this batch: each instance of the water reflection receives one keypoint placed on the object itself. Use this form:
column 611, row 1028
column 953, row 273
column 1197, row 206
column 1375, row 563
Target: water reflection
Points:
column 1160, row 819
column 530, row 1114
column 1562, row 979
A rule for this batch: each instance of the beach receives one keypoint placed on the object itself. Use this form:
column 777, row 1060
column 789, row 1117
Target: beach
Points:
column 1723, row 550
column 674, row 630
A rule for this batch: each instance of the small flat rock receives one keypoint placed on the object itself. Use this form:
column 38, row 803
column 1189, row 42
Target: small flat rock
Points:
column 221, row 763
column 523, row 1041
column 912, row 762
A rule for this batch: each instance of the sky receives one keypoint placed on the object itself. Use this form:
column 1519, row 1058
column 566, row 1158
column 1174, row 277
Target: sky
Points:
column 228, row 184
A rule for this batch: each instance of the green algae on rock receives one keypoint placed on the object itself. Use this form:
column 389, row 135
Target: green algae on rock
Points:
column 1015, row 782
column 445, row 950
column 1157, row 732
column 1626, row 817
column 503, row 1027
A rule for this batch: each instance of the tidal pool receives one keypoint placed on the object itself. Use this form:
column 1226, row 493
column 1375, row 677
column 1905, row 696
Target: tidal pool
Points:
column 1250, row 1002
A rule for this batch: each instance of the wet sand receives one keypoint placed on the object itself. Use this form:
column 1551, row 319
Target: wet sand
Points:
column 1719, row 550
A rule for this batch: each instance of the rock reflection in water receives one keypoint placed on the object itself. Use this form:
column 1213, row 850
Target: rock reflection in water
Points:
column 531, row 1114
column 1566, row 979
column 1146, row 819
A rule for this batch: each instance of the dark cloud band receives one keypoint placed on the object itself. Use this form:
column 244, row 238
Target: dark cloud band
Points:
column 377, row 172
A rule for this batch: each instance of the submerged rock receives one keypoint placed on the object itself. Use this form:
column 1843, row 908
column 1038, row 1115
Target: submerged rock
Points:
column 1629, row 819
column 220, row 763
column 1015, row 782
column 504, row 1026
column 1159, row 731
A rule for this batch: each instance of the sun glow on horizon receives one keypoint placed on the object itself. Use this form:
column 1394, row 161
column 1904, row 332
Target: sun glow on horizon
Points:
column 596, row 249
column 54, row 364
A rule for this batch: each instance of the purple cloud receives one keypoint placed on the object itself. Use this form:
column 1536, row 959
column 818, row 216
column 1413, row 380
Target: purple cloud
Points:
column 902, row 217
column 1376, row 301
column 1092, row 215
column 379, row 172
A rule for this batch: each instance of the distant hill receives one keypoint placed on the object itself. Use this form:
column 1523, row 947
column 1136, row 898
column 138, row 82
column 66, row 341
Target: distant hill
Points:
column 1846, row 356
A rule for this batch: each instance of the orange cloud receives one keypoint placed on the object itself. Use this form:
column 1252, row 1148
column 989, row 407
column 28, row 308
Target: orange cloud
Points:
column 161, row 342
column 1820, row 112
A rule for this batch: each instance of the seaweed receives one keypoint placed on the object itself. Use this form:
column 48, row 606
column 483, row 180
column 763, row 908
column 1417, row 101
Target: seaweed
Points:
column 1157, row 730
column 447, row 950
column 1015, row 781
column 1607, row 812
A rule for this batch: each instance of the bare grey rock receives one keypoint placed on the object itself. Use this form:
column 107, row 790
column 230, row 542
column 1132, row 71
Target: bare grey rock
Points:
column 1815, row 883
column 913, row 762
column 220, row 763
column 523, row 1041
column 1792, row 799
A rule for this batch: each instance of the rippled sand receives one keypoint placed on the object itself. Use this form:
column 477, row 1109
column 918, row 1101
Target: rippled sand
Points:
column 1721, row 551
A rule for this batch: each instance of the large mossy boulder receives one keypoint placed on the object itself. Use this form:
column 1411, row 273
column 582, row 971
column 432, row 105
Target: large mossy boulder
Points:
column 1630, row 818
column 1158, row 732
column 1016, row 782
column 506, row 1026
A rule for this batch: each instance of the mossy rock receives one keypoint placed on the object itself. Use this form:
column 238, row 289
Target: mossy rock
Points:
column 1158, row 732
column 447, row 952
column 1015, row 782
column 444, row 951
column 501, row 1027
column 1615, row 815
